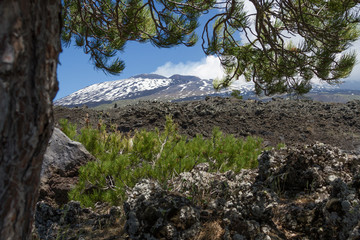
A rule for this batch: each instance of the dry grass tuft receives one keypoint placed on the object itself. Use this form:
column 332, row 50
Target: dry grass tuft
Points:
column 211, row 230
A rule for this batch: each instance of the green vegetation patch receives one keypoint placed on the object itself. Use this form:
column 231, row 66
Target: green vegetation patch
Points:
column 123, row 159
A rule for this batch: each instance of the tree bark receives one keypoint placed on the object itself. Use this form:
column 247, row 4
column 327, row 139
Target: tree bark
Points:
column 29, row 49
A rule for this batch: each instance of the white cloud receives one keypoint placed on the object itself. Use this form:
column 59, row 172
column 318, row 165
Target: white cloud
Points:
column 250, row 10
column 207, row 68
column 297, row 39
column 355, row 74
column 210, row 68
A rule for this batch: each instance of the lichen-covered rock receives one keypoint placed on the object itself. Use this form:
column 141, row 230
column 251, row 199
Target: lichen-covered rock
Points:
column 153, row 213
column 304, row 192
column 309, row 192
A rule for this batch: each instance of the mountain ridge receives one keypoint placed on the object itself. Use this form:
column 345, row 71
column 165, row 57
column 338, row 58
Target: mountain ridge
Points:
column 168, row 88
column 160, row 88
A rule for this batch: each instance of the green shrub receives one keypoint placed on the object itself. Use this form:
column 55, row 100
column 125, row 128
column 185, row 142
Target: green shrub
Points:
column 68, row 128
column 236, row 94
column 124, row 160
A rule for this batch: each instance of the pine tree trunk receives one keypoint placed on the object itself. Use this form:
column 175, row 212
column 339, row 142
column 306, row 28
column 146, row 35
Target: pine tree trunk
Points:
column 29, row 49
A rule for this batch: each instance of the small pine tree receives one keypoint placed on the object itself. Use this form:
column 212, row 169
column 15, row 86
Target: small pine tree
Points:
column 236, row 94
column 123, row 160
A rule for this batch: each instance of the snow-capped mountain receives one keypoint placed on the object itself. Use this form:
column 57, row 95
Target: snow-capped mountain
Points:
column 155, row 87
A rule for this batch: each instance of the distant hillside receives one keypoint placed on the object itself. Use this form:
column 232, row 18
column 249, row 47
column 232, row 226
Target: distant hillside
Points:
column 179, row 88
column 146, row 86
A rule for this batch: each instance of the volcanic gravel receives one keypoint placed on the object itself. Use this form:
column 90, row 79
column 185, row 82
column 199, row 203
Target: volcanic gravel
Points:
column 293, row 122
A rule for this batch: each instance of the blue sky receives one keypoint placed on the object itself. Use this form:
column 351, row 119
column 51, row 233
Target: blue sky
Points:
column 76, row 71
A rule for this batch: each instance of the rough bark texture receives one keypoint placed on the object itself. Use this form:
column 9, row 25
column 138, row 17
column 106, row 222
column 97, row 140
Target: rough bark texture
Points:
column 29, row 49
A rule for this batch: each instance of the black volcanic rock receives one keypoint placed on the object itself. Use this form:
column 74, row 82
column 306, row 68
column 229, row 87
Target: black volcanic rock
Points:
column 264, row 203
column 277, row 200
column 281, row 121
column 306, row 190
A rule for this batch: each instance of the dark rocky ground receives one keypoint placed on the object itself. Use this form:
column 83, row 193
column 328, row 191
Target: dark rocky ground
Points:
column 281, row 121
column 306, row 190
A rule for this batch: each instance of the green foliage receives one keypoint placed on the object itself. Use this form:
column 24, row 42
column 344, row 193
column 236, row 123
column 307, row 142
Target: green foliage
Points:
column 254, row 45
column 236, row 94
column 265, row 55
column 68, row 128
column 280, row 146
column 103, row 27
column 161, row 155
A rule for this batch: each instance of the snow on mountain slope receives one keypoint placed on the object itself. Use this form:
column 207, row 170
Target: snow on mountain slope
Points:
column 114, row 90
column 155, row 87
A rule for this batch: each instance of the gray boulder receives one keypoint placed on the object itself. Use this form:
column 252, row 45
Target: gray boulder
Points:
column 61, row 164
